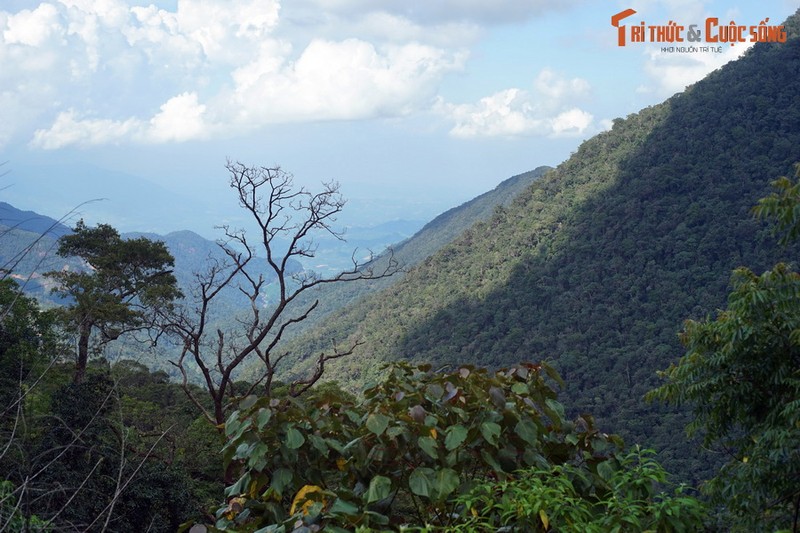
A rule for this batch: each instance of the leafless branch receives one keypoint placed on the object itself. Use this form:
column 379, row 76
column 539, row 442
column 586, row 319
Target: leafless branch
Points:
column 288, row 219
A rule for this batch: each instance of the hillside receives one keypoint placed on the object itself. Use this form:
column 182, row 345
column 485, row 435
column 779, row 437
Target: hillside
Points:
column 596, row 265
column 434, row 235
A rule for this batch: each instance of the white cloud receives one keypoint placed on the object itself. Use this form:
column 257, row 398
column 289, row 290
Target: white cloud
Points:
column 571, row 122
column 180, row 119
column 481, row 11
column 340, row 80
column 672, row 72
column 68, row 129
column 207, row 67
column 547, row 110
column 551, row 85
column 33, row 28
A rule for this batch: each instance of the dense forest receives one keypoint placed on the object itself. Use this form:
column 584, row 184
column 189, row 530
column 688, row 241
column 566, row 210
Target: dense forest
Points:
column 532, row 369
column 596, row 265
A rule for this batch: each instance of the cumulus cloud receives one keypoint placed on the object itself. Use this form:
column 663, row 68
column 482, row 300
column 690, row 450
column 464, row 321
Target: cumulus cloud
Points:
column 70, row 129
column 672, row 72
column 546, row 110
column 340, row 80
column 127, row 73
column 181, row 118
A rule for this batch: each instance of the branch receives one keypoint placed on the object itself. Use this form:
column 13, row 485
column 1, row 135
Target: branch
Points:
column 298, row 387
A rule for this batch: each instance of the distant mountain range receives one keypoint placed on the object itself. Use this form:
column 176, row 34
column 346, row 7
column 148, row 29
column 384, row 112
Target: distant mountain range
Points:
column 28, row 242
column 596, row 264
column 14, row 218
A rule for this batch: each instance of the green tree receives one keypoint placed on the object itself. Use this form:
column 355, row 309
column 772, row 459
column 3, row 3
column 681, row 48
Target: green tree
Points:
column 126, row 280
column 416, row 447
column 741, row 374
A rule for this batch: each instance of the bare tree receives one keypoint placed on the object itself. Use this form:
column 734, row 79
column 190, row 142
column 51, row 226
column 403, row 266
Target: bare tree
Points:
column 287, row 219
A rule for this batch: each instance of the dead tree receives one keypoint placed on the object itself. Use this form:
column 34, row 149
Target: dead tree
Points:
column 287, row 219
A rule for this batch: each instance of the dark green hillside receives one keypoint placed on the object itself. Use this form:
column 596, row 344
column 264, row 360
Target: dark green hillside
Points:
column 597, row 264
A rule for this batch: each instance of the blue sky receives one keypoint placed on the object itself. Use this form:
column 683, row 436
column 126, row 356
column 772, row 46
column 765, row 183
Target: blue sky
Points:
column 413, row 107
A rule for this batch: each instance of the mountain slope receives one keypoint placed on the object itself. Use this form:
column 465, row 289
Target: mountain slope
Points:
column 434, row 235
column 12, row 217
column 597, row 264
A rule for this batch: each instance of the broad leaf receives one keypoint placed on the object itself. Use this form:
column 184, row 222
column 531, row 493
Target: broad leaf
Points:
column 456, row 435
column 377, row 423
column 379, row 488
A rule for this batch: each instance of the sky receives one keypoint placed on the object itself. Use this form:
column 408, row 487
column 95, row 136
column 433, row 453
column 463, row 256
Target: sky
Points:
column 413, row 107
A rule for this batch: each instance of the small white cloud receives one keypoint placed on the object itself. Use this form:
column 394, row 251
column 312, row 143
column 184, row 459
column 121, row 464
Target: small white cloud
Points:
column 180, row 119
column 548, row 83
column 68, row 130
column 672, row 72
column 572, row 122
column 507, row 113
column 547, row 110
column 33, row 28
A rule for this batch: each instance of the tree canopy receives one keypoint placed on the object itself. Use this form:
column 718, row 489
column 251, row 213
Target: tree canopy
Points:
column 741, row 376
column 125, row 280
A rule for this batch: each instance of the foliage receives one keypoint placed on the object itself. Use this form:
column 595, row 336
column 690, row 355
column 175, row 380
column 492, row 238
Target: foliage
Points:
column 783, row 205
column 598, row 262
column 11, row 517
column 621, row 496
column 125, row 281
column 82, row 455
column 741, row 375
column 405, row 453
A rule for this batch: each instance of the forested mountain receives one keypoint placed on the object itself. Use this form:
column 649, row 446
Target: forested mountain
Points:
column 596, row 265
column 434, row 235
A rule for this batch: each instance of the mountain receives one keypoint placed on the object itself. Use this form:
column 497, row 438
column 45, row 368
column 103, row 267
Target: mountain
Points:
column 11, row 217
column 450, row 224
column 409, row 252
column 596, row 264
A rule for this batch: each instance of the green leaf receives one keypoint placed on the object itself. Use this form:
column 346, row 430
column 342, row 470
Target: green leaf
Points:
column 377, row 423
column 319, row 444
column 527, row 431
column 281, row 479
column 557, row 407
column 491, row 461
column 456, row 435
column 294, row 439
column 257, row 458
column 421, row 481
column 379, row 488
column 490, row 432
column 519, row 388
column 445, row 481
column 341, row 506
column 263, row 417
column 395, row 431
column 428, row 445
column 605, row 470
column 248, row 402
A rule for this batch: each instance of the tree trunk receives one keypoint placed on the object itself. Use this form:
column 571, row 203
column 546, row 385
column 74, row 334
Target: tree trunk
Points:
column 84, row 332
